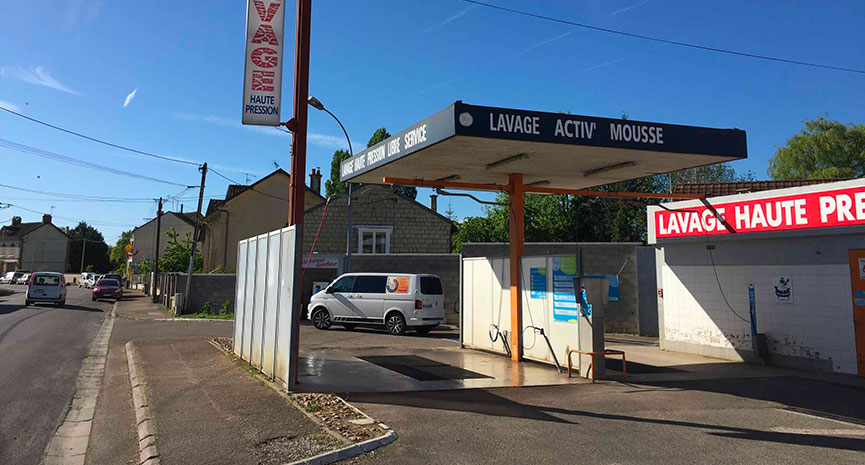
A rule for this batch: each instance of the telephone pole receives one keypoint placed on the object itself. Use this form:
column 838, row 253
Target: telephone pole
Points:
column 83, row 249
column 195, row 236
column 156, row 255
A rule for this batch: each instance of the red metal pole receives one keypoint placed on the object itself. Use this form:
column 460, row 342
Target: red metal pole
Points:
column 298, row 166
column 301, row 94
column 517, row 240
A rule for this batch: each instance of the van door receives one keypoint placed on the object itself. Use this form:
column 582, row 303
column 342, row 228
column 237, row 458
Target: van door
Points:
column 368, row 297
column 338, row 298
column 45, row 286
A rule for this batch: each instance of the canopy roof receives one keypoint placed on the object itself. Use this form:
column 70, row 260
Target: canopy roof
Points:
column 477, row 144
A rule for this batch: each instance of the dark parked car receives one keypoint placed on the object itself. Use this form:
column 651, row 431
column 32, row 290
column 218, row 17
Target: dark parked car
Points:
column 107, row 288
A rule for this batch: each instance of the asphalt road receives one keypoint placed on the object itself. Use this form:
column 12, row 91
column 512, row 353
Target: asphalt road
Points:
column 41, row 350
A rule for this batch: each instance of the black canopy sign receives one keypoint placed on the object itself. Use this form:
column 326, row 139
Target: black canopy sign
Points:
column 461, row 119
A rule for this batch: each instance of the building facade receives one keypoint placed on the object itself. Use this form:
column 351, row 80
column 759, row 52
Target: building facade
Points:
column 38, row 246
column 143, row 238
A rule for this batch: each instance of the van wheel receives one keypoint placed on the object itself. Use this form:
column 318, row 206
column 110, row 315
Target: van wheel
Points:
column 321, row 319
column 424, row 330
column 27, row 303
column 395, row 324
column 349, row 325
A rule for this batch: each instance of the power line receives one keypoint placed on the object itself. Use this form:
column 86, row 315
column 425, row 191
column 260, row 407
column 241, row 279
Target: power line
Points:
column 99, row 223
column 250, row 187
column 658, row 39
column 82, row 197
column 128, row 149
column 74, row 161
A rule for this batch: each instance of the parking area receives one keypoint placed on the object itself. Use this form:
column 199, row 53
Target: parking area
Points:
column 371, row 360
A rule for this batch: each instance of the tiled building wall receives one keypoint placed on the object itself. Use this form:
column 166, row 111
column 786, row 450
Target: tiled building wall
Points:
column 814, row 331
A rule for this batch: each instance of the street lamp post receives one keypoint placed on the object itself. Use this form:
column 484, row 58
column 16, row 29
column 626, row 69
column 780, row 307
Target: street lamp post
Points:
column 315, row 103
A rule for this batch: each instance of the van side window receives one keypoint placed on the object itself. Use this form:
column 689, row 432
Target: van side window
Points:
column 430, row 285
column 344, row 285
column 371, row 284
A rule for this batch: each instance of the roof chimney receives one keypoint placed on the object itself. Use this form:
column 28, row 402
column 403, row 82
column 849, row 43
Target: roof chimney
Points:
column 433, row 202
column 16, row 220
column 181, row 212
column 315, row 180
column 46, row 219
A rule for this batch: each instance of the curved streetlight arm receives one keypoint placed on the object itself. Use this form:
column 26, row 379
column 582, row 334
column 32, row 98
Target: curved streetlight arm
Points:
column 350, row 151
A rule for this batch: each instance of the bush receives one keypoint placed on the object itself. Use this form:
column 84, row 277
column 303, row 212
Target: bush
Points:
column 226, row 307
column 207, row 310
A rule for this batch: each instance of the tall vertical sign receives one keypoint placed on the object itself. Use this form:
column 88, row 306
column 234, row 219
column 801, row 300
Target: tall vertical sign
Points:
column 262, row 81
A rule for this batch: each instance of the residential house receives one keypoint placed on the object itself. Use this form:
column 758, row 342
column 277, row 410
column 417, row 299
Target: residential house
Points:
column 247, row 211
column 143, row 238
column 38, row 246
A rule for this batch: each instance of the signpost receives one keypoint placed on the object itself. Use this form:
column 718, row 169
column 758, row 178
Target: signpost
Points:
column 262, row 81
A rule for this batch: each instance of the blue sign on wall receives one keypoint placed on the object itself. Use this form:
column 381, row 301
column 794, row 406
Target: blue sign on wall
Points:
column 538, row 282
column 565, row 306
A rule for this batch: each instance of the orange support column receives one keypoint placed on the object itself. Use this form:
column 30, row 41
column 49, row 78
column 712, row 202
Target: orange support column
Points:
column 516, row 190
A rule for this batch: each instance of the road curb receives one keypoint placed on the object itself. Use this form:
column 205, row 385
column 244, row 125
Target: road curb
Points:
column 326, row 458
column 148, row 454
column 69, row 444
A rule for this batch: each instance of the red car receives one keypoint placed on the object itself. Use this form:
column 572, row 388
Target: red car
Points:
column 107, row 288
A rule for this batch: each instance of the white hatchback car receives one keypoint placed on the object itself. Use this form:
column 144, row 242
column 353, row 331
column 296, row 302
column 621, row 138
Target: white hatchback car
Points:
column 393, row 300
column 46, row 287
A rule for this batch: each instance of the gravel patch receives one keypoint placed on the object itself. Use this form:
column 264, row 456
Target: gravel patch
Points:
column 350, row 423
column 226, row 343
column 284, row 449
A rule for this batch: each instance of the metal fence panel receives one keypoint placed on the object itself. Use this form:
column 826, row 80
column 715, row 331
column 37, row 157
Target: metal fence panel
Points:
column 258, row 302
column 239, row 295
column 274, row 247
column 249, row 296
column 286, row 319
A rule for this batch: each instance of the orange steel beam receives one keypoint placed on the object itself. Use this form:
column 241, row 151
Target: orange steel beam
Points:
column 517, row 245
column 534, row 190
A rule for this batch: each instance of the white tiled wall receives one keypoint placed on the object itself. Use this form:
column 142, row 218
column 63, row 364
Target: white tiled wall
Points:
column 818, row 324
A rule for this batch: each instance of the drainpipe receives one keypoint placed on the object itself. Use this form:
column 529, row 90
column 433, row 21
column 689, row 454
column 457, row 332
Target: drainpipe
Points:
column 225, row 248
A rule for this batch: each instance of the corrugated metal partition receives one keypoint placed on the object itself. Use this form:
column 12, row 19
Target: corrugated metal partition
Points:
column 263, row 316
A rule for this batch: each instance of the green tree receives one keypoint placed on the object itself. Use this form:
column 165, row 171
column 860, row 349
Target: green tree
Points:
column 118, row 252
column 824, row 149
column 719, row 172
column 333, row 185
column 379, row 135
column 176, row 256
column 96, row 255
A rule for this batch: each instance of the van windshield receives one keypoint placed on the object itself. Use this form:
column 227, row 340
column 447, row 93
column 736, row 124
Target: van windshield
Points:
column 430, row 285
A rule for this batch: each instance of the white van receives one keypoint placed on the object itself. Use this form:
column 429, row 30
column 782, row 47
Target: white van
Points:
column 87, row 280
column 393, row 300
column 46, row 287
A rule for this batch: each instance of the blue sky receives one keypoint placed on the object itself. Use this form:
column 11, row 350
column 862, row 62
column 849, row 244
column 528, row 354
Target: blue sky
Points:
column 166, row 77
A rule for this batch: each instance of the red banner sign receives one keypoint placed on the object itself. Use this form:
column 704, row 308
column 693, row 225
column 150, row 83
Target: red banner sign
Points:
column 826, row 209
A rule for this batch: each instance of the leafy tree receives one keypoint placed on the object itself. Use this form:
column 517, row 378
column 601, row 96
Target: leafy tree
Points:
column 176, row 256
column 720, row 172
column 118, row 252
column 334, row 185
column 96, row 256
column 379, row 135
column 823, row 149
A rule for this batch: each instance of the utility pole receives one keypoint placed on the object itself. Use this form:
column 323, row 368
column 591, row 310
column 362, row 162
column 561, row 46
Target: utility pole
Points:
column 156, row 254
column 194, row 237
column 83, row 249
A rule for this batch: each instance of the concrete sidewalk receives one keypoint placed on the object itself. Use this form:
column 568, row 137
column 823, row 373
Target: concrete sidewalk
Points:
column 137, row 305
column 208, row 410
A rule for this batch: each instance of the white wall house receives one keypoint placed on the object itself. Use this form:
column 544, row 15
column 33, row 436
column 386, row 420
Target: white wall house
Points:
column 37, row 246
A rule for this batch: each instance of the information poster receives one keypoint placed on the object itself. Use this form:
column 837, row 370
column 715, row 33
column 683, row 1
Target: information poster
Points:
column 538, row 282
column 565, row 306
column 783, row 287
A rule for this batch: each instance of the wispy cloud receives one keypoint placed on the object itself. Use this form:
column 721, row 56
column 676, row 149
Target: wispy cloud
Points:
column 80, row 13
column 544, row 42
column 129, row 98
column 607, row 63
column 323, row 140
column 441, row 84
column 449, row 19
column 9, row 105
column 629, row 7
column 35, row 75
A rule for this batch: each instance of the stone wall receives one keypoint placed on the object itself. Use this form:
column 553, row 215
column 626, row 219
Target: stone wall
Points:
column 215, row 288
column 415, row 229
column 599, row 258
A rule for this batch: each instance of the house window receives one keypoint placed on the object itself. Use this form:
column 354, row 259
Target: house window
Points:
column 373, row 239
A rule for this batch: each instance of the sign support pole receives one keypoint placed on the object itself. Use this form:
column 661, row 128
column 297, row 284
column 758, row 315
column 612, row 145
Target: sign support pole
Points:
column 298, row 169
column 517, row 245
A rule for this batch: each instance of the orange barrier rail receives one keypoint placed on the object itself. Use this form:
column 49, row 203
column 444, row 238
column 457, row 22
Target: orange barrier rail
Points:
column 603, row 354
